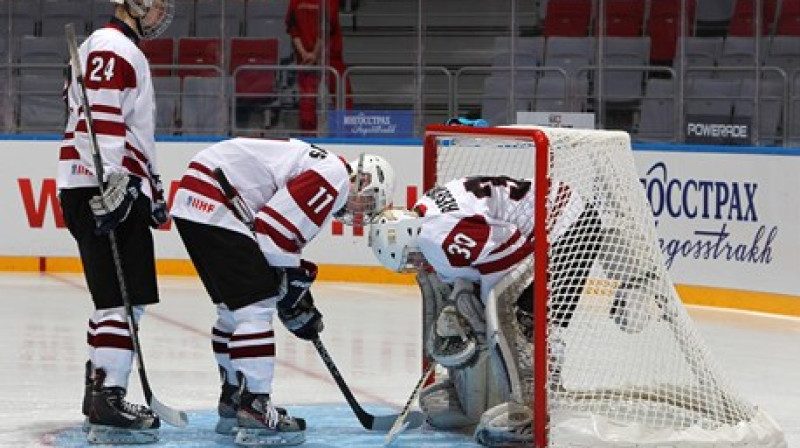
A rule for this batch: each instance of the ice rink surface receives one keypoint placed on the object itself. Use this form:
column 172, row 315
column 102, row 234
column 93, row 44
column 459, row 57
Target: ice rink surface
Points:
column 372, row 332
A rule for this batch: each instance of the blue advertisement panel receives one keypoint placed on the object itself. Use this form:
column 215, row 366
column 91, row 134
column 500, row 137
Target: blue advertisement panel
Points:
column 372, row 123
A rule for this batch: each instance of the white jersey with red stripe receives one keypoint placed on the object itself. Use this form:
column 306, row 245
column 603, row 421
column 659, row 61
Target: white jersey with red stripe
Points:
column 120, row 92
column 479, row 227
column 292, row 188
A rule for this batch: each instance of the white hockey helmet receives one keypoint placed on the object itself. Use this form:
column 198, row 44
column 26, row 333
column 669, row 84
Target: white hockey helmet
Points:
column 393, row 236
column 153, row 16
column 371, row 189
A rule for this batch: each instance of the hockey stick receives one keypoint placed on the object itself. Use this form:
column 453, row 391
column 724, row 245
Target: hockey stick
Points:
column 406, row 418
column 367, row 420
column 172, row 416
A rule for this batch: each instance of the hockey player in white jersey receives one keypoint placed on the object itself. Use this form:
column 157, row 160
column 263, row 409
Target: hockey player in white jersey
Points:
column 292, row 189
column 467, row 239
column 120, row 94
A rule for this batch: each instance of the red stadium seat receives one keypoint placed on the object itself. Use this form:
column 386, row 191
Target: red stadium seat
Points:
column 199, row 51
column 624, row 18
column 568, row 18
column 742, row 21
column 789, row 19
column 159, row 51
column 664, row 26
column 253, row 51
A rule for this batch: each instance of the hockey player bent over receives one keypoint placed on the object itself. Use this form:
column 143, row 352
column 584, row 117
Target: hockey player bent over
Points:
column 120, row 95
column 471, row 243
column 292, row 189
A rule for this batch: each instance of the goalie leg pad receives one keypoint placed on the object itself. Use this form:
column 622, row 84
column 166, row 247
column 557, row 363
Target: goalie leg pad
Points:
column 505, row 425
column 442, row 407
column 511, row 352
column 434, row 295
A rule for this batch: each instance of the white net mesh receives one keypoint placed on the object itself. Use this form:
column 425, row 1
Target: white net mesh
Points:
column 634, row 371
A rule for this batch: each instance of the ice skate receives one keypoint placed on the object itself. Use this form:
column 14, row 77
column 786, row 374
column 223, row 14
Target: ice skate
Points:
column 226, row 409
column 261, row 424
column 112, row 420
column 87, row 397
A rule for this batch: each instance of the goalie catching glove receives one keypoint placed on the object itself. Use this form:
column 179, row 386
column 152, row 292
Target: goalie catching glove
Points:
column 114, row 204
column 296, row 305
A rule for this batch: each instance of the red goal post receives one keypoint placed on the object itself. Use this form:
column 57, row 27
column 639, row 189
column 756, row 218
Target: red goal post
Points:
column 633, row 370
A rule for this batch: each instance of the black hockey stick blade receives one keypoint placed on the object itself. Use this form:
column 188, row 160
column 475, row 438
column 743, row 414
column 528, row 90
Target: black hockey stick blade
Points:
column 367, row 420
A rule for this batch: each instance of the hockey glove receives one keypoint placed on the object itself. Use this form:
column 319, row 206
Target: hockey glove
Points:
column 295, row 284
column 304, row 319
column 114, row 205
column 158, row 208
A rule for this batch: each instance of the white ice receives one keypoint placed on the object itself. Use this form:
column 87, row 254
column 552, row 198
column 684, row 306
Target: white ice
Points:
column 372, row 332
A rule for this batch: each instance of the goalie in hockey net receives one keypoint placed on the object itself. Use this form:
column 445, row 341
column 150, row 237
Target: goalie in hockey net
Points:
column 463, row 238
column 616, row 358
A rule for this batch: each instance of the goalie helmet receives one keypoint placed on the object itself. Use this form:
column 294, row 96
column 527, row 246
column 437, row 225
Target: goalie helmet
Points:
column 393, row 237
column 152, row 16
column 371, row 189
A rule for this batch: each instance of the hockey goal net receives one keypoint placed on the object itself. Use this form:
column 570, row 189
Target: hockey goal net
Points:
column 616, row 358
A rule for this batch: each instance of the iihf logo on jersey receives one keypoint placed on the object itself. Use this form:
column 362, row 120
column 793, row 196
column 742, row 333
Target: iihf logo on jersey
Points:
column 199, row 204
column 80, row 170
column 740, row 236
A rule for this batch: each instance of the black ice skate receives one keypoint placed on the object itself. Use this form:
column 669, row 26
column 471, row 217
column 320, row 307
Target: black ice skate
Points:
column 226, row 408
column 260, row 423
column 115, row 421
column 87, row 396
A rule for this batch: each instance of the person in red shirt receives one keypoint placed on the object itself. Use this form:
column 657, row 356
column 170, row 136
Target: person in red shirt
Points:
column 303, row 26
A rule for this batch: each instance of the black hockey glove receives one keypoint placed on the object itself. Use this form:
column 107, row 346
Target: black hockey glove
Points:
column 295, row 284
column 114, row 205
column 304, row 319
column 158, row 208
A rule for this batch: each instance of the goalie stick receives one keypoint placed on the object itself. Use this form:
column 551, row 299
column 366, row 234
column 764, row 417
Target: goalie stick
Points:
column 172, row 416
column 407, row 418
column 367, row 420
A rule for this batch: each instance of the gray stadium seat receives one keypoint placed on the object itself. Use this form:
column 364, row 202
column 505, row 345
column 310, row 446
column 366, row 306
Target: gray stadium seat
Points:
column 49, row 50
column 571, row 54
column 710, row 96
column 168, row 98
column 267, row 9
column 784, row 53
column 203, row 106
column 624, row 85
column 209, row 18
column 527, row 45
column 739, row 53
column 714, row 10
column 272, row 28
column 496, row 98
column 6, row 101
column 26, row 15
column 41, row 105
column 770, row 107
column 552, row 95
column 700, row 52
column 794, row 113
column 57, row 13
column 182, row 24
column 657, row 116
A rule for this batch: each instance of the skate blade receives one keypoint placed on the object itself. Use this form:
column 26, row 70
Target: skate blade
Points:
column 99, row 434
column 268, row 437
column 226, row 426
